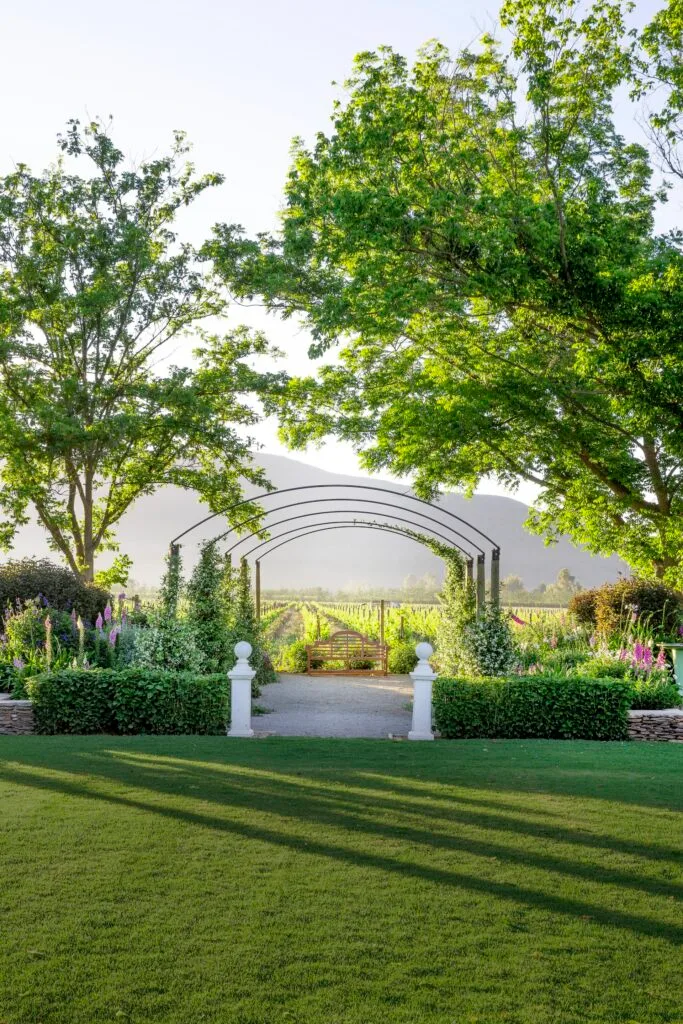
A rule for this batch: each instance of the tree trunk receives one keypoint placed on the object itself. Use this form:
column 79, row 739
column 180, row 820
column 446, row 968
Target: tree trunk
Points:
column 88, row 570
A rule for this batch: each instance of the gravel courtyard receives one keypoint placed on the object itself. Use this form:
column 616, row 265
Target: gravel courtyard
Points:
column 346, row 706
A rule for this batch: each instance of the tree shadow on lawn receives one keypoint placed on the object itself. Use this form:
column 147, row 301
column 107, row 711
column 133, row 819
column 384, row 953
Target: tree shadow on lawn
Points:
column 239, row 794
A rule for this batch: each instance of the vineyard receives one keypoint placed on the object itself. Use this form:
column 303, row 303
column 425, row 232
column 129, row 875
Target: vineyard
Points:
column 287, row 623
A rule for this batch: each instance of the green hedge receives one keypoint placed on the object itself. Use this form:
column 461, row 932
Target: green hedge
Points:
column 542, row 707
column 134, row 700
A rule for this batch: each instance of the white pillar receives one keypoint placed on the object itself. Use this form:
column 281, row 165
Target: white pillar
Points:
column 240, row 692
column 422, row 677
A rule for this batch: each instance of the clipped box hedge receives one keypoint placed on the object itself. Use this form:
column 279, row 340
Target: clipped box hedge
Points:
column 133, row 700
column 525, row 707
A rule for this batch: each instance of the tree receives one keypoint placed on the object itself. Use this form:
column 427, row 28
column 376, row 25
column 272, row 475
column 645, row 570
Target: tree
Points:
column 94, row 287
column 487, row 255
column 207, row 609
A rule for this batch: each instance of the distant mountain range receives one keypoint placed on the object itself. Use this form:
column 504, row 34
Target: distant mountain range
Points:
column 342, row 559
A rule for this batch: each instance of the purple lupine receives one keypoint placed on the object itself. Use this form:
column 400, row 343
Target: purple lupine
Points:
column 661, row 659
column 99, row 622
column 638, row 650
column 647, row 658
column 680, row 630
column 107, row 612
column 113, row 635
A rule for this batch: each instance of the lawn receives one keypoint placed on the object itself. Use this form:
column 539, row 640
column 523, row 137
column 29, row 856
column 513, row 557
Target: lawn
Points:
column 283, row 881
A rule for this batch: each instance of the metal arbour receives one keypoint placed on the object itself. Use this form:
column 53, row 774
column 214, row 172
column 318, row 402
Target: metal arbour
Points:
column 480, row 552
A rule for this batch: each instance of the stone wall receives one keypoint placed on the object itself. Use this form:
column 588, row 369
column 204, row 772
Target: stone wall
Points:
column 656, row 725
column 16, row 718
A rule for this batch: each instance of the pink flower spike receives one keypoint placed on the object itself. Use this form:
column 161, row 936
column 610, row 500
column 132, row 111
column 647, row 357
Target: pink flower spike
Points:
column 107, row 613
column 661, row 659
column 638, row 651
column 112, row 636
column 99, row 622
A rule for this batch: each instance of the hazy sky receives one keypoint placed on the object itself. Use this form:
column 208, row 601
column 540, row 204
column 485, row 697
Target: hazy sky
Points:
column 240, row 78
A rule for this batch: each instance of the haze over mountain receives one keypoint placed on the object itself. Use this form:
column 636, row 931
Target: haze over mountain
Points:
column 345, row 558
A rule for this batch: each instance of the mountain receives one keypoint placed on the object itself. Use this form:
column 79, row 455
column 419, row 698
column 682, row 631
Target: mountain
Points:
column 338, row 559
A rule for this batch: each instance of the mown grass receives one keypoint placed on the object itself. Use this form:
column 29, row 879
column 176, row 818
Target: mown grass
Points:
column 286, row 881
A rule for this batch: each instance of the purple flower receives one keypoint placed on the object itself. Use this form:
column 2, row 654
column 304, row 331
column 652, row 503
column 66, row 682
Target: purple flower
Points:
column 112, row 636
column 623, row 654
column 18, row 663
column 107, row 613
column 99, row 622
column 661, row 659
column 638, row 651
column 647, row 657
column 680, row 630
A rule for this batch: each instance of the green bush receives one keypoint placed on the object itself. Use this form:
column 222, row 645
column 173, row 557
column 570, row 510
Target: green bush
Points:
column 169, row 702
column 582, row 607
column 654, row 694
column 645, row 603
column 402, row 658
column 169, row 645
column 130, row 701
column 294, row 659
column 73, row 700
column 25, row 632
column 29, row 578
column 543, row 707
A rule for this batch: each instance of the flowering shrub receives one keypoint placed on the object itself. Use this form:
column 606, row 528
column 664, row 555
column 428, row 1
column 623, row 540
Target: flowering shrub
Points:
column 167, row 644
column 485, row 647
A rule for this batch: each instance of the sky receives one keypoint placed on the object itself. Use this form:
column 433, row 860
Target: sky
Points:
column 242, row 79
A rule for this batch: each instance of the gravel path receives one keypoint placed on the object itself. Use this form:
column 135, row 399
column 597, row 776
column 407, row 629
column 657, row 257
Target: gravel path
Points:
column 351, row 706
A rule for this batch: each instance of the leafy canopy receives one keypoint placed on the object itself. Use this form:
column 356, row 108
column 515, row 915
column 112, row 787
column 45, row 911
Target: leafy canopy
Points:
column 95, row 287
column 479, row 236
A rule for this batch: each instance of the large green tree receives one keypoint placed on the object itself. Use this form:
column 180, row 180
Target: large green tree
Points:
column 95, row 288
column 479, row 236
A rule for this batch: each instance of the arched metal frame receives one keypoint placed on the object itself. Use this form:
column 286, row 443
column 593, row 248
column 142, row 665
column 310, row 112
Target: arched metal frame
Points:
column 481, row 555
column 317, row 487
column 326, row 501
column 330, row 524
column 324, row 512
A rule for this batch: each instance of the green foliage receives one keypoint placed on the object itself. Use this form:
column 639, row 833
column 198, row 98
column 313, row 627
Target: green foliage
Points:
column 245, row 626
column 583, row 607
column 29, row 578
column 294, row 658
column 172, row 583
column 73, row 701
column 206, row 611
column 647, row 604
column 95, row 286
column 131, row 701
column 168, row 644
column 402, row 658
column 485, row 646
column 27, row 636
column 479, row 236
column 165, row 702
column 544, row 707
column 655, row 692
